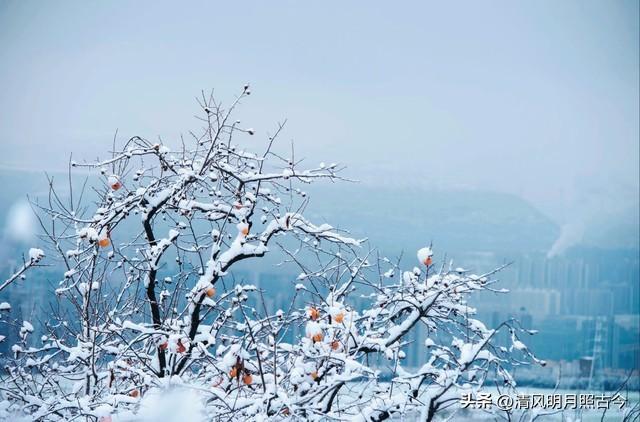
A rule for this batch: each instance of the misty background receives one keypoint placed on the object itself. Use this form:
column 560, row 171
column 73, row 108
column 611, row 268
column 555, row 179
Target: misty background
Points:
column 501, row 132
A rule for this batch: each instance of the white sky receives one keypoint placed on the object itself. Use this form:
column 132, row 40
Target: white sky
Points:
column 536, row 98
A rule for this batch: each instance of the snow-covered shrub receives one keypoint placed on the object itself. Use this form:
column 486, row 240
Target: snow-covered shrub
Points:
column 151, row 313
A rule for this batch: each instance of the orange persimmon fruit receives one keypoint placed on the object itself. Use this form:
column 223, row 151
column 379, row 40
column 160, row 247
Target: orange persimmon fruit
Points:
column 314, row 314
column 247, row 379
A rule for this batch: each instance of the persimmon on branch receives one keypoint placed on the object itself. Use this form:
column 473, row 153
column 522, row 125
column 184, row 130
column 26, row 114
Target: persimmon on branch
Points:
column 150, row 299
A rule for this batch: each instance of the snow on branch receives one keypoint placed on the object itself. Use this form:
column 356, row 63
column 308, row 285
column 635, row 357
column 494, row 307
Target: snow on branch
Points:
column 152, row 304
column 35, row 256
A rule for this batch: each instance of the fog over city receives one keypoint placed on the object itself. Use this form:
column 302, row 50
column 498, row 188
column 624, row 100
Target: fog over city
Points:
column 539, row 100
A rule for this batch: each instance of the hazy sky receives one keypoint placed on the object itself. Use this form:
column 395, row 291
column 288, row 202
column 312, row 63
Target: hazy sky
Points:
column 537, row 98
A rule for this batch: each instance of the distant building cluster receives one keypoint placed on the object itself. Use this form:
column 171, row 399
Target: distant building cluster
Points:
column 585, row 307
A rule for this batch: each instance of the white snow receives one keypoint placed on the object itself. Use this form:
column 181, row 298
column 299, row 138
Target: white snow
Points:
column 424, row 253
column 88, row 233
column 36, row 254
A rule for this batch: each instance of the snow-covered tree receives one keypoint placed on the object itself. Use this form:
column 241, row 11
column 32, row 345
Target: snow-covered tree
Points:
column 149, row 305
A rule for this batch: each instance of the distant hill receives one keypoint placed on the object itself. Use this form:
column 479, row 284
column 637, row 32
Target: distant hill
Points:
column 456, row 221
column 395, row 220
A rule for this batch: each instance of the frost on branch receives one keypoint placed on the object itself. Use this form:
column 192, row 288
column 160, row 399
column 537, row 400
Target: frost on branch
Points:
column 152, row 308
